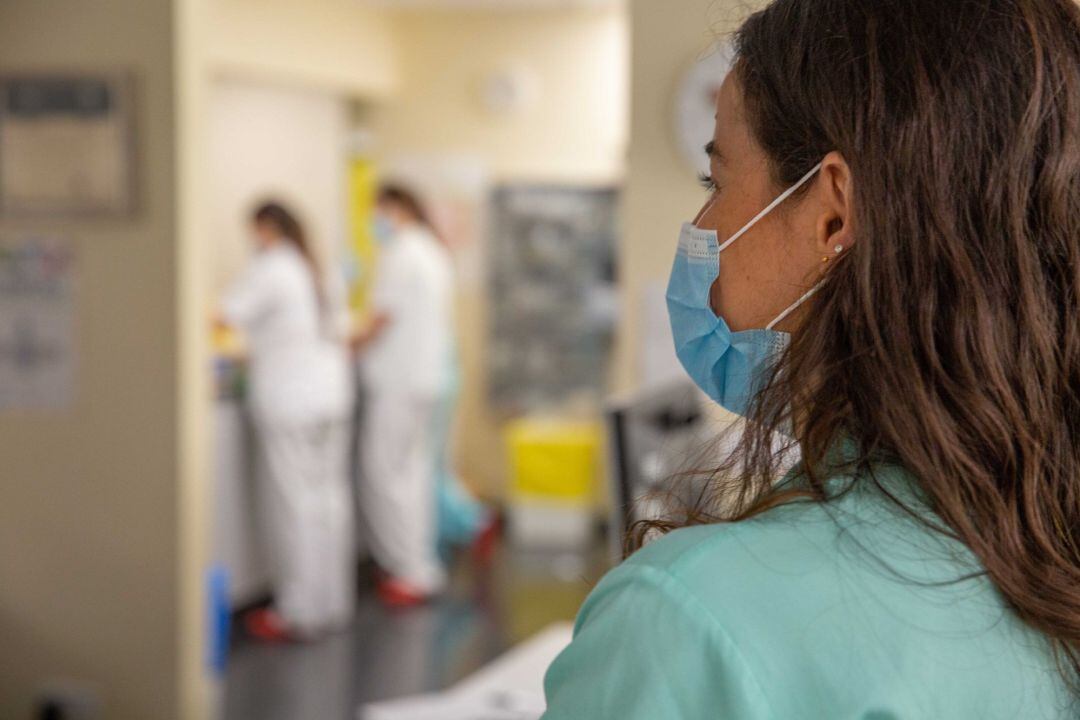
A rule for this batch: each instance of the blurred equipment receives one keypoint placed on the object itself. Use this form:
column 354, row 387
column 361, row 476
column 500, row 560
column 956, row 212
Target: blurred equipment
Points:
column 218, row 632
column 235, row 538
column 552, row 295
column 66, row 145
column 653, row 436
column 554, row 468
column 657, row 361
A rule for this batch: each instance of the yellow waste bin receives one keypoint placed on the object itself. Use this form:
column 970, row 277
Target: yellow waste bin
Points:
column 554, row 473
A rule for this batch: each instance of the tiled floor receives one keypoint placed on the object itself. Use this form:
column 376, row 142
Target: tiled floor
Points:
column 390, row 654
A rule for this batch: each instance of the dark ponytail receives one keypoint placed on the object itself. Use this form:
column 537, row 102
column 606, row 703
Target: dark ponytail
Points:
column 408, row 201
column 290, row 229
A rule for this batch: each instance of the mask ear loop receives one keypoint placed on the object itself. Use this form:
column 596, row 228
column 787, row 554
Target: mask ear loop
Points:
column 810, row 293
column 798, row 303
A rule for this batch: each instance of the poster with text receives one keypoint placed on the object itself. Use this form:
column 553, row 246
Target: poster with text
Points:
column 37, row 348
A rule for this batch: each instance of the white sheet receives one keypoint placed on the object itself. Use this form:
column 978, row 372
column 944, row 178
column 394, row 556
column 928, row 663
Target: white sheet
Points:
column 510, row 688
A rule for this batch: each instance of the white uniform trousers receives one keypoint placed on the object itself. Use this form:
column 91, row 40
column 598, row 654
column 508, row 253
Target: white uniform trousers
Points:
column 397, row 487
column 308, row 514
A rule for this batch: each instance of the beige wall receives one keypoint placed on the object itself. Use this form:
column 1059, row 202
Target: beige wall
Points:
column 337, row 45
column 192, row 310
column 89, row 555
column 574, row 128
column 661, row 190
column 573, row 131
column 269, row 141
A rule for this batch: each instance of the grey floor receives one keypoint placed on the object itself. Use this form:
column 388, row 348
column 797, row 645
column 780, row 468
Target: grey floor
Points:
column 386, row 654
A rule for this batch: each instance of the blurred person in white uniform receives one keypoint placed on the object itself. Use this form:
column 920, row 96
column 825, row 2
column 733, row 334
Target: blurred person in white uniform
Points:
column 296, row 324
column 407, row 367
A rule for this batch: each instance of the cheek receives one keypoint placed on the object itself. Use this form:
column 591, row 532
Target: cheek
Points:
column 756, row 276
column 735, row 281
column 726, row 214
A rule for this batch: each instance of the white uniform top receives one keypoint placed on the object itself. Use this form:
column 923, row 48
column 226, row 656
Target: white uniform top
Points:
column 414, row 286
column 299, row 367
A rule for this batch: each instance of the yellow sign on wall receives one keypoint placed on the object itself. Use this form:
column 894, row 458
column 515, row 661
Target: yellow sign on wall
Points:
column 363, row 251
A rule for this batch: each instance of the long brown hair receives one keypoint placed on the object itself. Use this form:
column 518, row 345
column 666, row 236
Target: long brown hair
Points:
column 947, row 339
column 290, row 230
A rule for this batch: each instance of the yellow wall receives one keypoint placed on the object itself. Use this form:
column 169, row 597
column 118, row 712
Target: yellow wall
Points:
column 661, row 190
column 573, row 132
column 336, row 45
column 89, row 555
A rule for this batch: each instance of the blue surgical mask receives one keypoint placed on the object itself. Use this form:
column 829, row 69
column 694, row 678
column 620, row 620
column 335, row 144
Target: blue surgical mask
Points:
column 728, row 366
column 382, row 229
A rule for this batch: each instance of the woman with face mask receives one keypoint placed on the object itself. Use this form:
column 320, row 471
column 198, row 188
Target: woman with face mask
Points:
column 295, row 322
column 406, row 359
column 886, row 274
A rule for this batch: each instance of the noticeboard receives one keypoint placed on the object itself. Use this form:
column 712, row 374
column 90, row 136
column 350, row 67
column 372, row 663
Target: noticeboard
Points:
column 66, row 145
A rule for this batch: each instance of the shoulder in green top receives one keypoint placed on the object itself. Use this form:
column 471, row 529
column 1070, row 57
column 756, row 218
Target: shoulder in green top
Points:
column 844, row 610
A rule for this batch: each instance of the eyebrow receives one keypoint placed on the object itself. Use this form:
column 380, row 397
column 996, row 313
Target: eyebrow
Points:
column 713, row 151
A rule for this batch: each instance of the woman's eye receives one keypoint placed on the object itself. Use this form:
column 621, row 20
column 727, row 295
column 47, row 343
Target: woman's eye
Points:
column 708, row 182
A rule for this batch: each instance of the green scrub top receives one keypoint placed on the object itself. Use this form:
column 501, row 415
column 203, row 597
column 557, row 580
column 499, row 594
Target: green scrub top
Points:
column 841, row 610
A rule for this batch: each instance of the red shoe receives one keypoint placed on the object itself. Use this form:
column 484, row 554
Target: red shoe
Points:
column 396, row 593
column 483, row 546
column 266, row 625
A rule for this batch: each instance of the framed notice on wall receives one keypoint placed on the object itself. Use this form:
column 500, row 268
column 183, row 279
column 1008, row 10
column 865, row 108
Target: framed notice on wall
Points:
column 37, row 334
column 66, row 145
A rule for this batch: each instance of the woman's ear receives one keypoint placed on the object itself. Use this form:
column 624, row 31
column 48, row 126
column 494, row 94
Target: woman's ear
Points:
column 835, row 234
